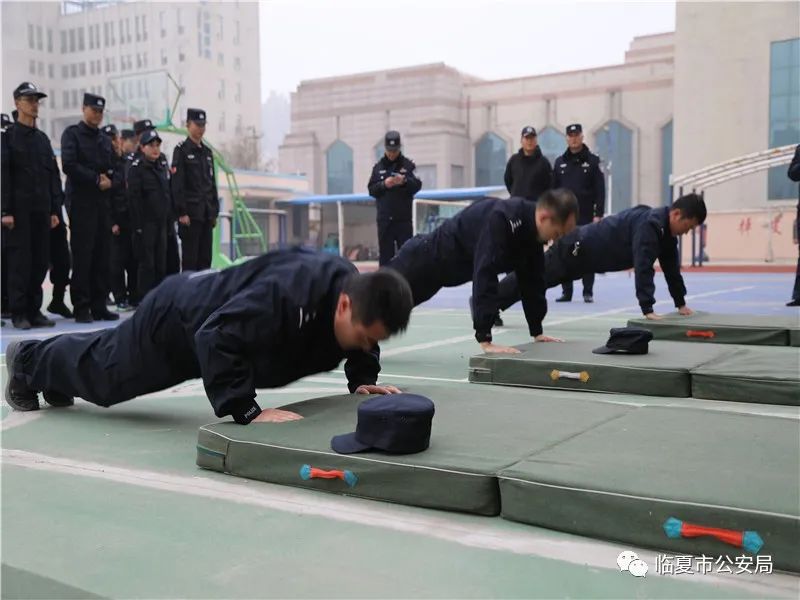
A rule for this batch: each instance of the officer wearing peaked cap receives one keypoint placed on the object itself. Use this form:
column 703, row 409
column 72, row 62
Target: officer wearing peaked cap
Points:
column 194, row 192
column 87, row 159
column 32, row 197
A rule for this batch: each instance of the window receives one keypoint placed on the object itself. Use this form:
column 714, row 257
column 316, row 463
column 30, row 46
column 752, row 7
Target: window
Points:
column 128, row 31
column 379, row 151
column 63, row 36
column 339, row 160
column 91, row 67
column 64, row 71
column 219, row 27
column 237, row 64
column 162, row 24
column 552, row 143
column 31, row 42
column 615, row 147
column 51, row 71
column 222, row 121
column 666, row 163
column 121, row 32
column 456, row 176
column 236, row 33
column 96, row 34
column 238, row 96
column 221, row 92
column 40, row 69
column 163, row 56
column 144, row 59
column 39, row 38
column 50, row 40
column 52, row 98
column 81, row 39
column 91, row 38
column 32, row 67
column 427, row 175
column 178, row 21
column 74, row 96
column 221, row 59
column 73, row 70
column 239, row 128
column 65, row 99
column 72, row 40
column 82, row 69
column 138, row 30
column 490, row 160
column 784, row 111
column 144, row 28
column 138, row 60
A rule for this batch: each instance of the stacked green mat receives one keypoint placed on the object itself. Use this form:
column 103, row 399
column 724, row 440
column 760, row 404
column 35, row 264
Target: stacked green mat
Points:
column 608, row 470
column 664, row 371
column 724, row 329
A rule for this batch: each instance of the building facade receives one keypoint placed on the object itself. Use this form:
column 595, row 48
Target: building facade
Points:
column 136, row 54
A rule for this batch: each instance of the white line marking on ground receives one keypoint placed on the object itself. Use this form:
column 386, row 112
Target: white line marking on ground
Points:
column 470, row 531
column 16, row 418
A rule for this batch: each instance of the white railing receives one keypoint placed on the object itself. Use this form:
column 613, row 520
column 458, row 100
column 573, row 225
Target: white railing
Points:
column 736, row 167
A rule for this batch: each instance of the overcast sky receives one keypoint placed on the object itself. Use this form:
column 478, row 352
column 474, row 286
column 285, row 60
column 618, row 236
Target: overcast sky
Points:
column 306, row 39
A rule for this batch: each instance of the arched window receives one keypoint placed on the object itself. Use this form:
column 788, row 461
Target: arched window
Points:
column 552, row 143
column 490, row 160
column 339, row 159
column 666, row 163
column 615, row 147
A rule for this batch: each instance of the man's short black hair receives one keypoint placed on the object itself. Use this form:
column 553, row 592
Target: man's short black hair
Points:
column 692, row 206
column 384, row 296
column 561, row 202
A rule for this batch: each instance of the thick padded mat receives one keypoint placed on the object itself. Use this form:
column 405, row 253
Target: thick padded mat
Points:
column 724, row 329
column 477, row 431
column 622, row 480
column 664, row 371
column 751, row 374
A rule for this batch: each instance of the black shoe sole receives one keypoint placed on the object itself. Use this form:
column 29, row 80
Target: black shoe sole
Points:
column 563, row 299
column 58, row 400
column 66, row 313
column 11, row 352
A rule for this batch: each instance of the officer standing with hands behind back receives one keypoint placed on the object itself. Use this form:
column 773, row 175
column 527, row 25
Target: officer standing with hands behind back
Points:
column 194, row 193
column 578, row 170
column 87, row 159
column 393, row 185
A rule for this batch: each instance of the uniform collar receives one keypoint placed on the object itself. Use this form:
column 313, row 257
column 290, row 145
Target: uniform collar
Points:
column 85, row 127
column 193, row 145
column 582, row 154
column 537, row 153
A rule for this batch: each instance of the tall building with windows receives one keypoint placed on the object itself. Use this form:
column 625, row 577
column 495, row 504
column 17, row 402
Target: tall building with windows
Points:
column 137, row 54
column 724, row 84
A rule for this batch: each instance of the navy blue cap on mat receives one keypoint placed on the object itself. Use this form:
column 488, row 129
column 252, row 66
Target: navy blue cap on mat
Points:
column 393, row 423
column 627, row 340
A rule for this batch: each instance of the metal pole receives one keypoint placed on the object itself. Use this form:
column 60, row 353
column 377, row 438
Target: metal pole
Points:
column 340, row 215
column 414, row 216
column 702, row 234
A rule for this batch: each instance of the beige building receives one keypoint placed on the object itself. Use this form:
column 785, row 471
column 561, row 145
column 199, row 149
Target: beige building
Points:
column 127, row 51
column 461, row 130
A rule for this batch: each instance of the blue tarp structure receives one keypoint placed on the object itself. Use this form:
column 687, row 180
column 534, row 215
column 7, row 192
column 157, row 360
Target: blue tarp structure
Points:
column 453, row 194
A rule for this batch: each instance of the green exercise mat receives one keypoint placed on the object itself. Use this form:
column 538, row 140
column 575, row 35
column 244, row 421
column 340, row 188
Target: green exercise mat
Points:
column 476, row 432
column 724, row 329
column 751, row 374
column 664, row 371
column 623, row 479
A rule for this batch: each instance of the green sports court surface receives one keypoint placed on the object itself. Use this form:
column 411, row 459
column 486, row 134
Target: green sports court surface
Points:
column 110, row 503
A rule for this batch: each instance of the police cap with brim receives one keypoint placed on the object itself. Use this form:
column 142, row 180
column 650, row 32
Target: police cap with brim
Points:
column 573, row 129
column 198, row 115
column 94, row 101
column 149, row 136
column 141, row 126
column 110, row 130
column 626, row 340
column 127, row 134
column 392, row 140
column 528, row 131
column 392, row 423
column 26, row 88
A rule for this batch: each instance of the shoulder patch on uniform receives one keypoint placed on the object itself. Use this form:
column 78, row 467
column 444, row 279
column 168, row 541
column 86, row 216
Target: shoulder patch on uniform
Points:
column 135, row 163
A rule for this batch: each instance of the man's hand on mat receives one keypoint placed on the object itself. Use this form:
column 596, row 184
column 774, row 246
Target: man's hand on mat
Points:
column 685, row 311
column 546, row 338
column 377, row 389
column 491, row 348
column 276, row 415
column 653, row 316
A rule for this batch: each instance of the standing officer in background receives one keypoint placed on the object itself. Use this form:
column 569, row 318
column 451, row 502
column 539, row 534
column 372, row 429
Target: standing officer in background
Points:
column 578, row 170
column 194, row 193
column 139, row 127
column 393, row 185
column 149, row 200
column 60, row 266
column 118, row 205
column 794, row 175
column 87, row 159
column 30, row 208
column 5, row 190
column 528, row 172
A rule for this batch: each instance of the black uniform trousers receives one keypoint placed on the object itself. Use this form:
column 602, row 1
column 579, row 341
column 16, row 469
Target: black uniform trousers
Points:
column 28, row 248
column 196, row 240
column 173, row 258
column 424, row 271
column 124, row 268
column 391, row 237
column 60, row 259
column 91, row 258
column 145, row 353
column 796, row 290
column 152, row 256
column 588, row 286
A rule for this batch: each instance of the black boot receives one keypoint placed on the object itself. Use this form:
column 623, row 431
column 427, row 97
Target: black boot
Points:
column 39, row 320
column 18, row 395
column 57, row 306
column 20, row 322
column 564, row 298
column 104, row 315
column 82, row 315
